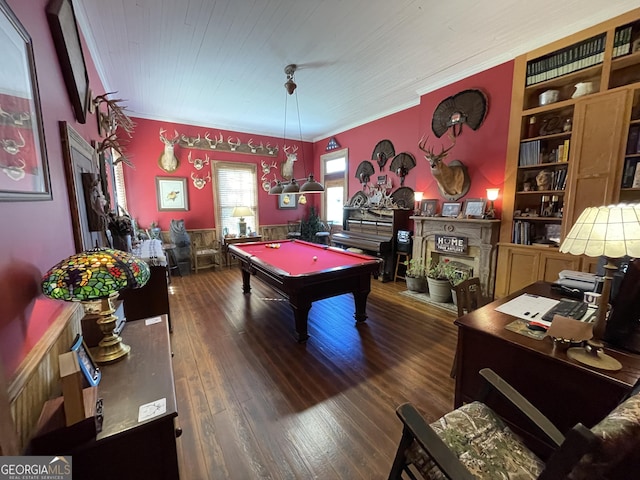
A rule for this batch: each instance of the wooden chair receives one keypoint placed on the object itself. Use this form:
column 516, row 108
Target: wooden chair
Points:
column 473, row 442
column 468, row 298
column 324, row 235
column 293, row 229
column 469, row 295
column 206, row 250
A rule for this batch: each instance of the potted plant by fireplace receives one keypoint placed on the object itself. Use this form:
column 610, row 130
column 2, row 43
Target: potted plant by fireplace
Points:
column 416, row 275
column 438, row 275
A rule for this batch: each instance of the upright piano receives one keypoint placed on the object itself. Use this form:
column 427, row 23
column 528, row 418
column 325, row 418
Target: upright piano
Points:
column 375, row 232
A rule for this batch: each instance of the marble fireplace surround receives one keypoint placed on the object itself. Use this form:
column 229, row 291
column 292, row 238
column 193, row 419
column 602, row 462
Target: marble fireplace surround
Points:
column 482, row 236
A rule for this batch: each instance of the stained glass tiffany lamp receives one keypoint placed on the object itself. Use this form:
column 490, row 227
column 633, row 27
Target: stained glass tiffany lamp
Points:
column 98, row 274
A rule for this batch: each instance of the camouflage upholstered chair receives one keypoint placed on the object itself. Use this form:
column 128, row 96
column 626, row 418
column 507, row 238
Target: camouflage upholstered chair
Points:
column 472, row 442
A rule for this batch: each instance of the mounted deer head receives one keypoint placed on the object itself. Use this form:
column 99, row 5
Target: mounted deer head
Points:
column 168, row 161
column 287, row 166
column 453, row 179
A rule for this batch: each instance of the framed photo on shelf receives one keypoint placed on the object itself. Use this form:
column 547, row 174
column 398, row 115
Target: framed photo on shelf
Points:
column 287, row 200
column 64, row 30
column 25, row 172
column 172, row 194
column 474, row 207
column 451, row 209
column 87, row 363
column 428, row 207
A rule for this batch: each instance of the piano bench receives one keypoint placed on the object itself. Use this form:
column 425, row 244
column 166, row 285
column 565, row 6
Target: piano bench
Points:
column 406, row 256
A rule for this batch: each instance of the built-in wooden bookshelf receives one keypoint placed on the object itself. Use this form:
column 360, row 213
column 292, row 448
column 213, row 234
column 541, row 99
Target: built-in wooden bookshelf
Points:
column 583, row 149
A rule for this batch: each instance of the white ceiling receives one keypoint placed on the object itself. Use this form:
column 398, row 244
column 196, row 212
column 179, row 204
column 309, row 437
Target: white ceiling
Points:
column 220, row 63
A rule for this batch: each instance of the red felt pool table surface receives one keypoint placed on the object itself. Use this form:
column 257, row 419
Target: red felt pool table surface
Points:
column 296, row 257
column 292, row 270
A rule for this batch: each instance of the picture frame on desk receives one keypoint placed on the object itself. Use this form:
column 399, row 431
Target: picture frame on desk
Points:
column 88, row 365
column 25, row 172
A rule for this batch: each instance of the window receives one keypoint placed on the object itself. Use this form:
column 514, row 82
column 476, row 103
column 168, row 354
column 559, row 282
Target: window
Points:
column 121, row 192
column 235, row 186
column 334, row 169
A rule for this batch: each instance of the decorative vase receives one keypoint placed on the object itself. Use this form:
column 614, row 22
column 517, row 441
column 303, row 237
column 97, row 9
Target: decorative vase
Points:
column 416, row 284
column 439, row 290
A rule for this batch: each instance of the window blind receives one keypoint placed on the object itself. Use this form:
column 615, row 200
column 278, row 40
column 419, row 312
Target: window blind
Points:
column 236, row 187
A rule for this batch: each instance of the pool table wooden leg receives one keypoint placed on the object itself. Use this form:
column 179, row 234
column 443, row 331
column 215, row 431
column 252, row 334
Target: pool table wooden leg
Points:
column 301, row 315
column 360, row 300
column 246, row 281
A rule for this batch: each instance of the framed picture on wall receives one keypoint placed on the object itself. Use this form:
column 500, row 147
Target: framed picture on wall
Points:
column 172, row 194
column 24, row 174
column 64, row 30
column 451, row 209
column 287, row 200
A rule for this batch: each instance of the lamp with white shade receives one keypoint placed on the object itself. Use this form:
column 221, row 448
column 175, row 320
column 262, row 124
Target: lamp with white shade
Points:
column 240, row 213
column 613, row 232
column 492, row 196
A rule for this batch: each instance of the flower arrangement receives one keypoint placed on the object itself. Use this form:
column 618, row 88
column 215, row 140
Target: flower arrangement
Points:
column 416, row 268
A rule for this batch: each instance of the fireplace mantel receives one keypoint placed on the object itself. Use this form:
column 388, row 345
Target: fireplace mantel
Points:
column 482, row 236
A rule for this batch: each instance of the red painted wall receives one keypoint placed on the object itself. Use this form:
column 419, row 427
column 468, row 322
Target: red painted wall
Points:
column 483, row 151
column 40, row 232
column 145, row 149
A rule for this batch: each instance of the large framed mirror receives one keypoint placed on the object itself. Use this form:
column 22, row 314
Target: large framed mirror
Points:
column 80, row 158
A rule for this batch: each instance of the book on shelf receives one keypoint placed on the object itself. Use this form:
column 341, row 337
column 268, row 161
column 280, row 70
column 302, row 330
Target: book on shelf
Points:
column 629, row 172
column 636, row 177
column 622, row 41
column 632, row 140
column 565, row 151
column 570, row 59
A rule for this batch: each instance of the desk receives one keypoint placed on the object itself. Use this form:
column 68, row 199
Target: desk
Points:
column 565, row 391
column 226, row 241
column 292, row 271
column 127, row 448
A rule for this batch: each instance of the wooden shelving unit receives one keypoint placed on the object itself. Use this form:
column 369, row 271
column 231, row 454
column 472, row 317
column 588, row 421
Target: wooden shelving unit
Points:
column 598, row 165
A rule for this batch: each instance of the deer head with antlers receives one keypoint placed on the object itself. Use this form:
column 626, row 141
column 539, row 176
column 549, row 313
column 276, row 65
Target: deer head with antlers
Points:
column 453, row 179
column 287, row 166
column 168, row 161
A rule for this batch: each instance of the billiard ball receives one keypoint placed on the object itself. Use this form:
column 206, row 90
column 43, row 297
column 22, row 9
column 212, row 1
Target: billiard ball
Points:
column 315, row 258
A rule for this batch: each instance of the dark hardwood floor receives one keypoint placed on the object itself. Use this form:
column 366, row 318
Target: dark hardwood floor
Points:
column 254, row 403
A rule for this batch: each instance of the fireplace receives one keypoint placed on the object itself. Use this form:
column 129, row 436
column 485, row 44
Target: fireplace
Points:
column 472, row 242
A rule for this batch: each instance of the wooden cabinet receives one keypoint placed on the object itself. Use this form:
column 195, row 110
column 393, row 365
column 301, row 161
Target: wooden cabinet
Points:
column 522, row 265
column 573, row 143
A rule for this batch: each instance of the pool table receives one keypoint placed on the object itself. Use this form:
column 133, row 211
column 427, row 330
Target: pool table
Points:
column 305, row 272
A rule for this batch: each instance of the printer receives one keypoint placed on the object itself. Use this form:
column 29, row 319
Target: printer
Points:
column 587, row 282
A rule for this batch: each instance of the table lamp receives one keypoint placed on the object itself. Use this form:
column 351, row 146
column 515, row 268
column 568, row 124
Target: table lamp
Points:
column 492, row 196
column 242, row 212
column 417, row 197
column 98, row 274
column 613, row 232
